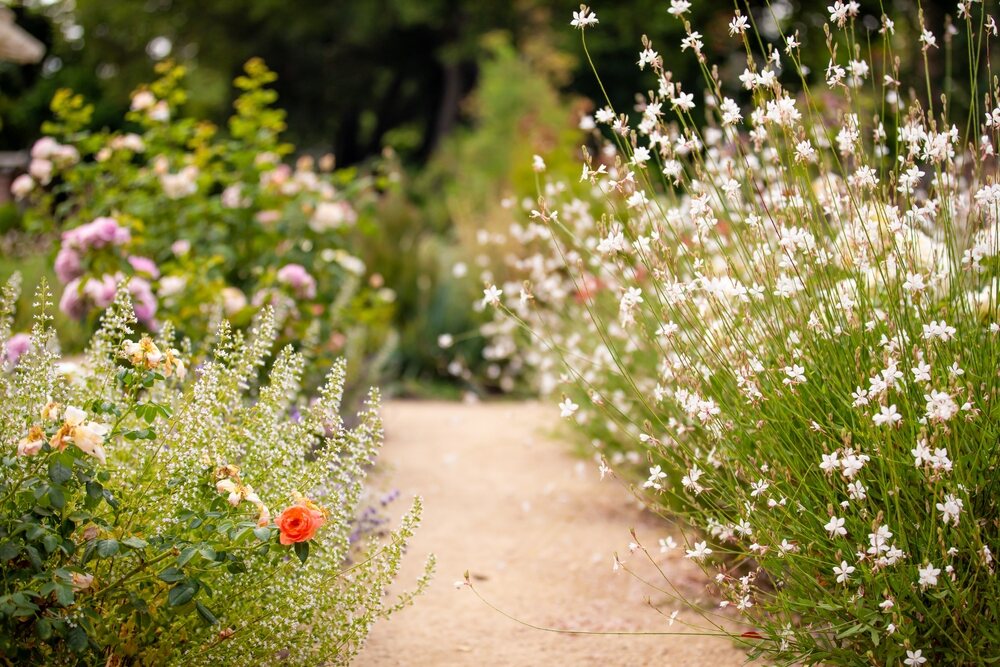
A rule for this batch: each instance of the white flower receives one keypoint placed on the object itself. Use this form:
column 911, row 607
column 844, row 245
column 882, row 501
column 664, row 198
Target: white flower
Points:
column 700, row 551
column 940, row 406
column 887, row 416
column 684, row 101
column 738, row 25
column 914, row 658
column 640, row 156
column 538, row 164
column 491, row 296
column 830, row 462
column 950, row 509
column 656, row 475
column 835, row 526
column 690, row 480
column 939, row 330
column 928, row 575
column 584, row 18
column 567, row 408
column 794, row 375
column 843, row 571
column 679, row 7
column 928, row 40
column 879, row 540
column 839, row 11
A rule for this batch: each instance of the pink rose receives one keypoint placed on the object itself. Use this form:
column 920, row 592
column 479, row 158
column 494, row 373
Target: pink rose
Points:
column 16, row 346
column 68, row 265
column 145, row 266
column 296, row 277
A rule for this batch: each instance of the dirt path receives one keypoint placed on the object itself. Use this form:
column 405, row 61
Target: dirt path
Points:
column 537, row 530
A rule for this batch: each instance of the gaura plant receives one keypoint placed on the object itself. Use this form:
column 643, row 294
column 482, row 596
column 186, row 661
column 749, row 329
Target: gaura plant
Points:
column 784, row 299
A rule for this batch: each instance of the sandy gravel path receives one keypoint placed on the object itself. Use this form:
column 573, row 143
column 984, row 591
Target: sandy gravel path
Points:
column 537, row 530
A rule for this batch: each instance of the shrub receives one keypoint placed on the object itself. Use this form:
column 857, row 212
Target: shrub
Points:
column 790, row 309
column 207, row 224
column 156, row 514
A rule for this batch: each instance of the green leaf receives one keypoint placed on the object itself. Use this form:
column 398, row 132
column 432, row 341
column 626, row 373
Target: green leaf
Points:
column 111, row 499
column 182, row 593
column 107, row 548
column 171, row 574
column 43, row 628
column 135, row 542
column 77, row 639
column 236, row 567
column 94, row 490
column 56, row 497
column 186, row 555
column 206, row 613
column 64, row 594
column 50, row 542
column 59, row 473
column 302, row 550
column 263, row 533
column 9, row 551
column 34, row 557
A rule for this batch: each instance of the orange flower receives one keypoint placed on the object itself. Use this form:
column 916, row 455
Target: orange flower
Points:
column 299, row 522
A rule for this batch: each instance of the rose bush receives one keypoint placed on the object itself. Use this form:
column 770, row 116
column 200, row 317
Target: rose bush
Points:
column 204, row 224
column 136, row 499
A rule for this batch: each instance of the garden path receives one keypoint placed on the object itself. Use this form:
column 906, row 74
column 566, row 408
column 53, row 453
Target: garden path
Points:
column 537, row 530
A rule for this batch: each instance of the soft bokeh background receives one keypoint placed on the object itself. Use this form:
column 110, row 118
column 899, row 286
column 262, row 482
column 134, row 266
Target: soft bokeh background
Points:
column 452, row 97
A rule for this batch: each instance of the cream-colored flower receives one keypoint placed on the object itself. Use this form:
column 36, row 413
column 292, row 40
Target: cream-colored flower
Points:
column 51, row 411
column 89, row 437
column 31, row 443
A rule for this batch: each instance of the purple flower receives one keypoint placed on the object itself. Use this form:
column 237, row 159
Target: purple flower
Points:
column 72, row 303
column 145, row 266
column 16, row 346
column 143, row 301
column 97, row 234
column 296, row 277
column 107, row 231
column 68, row 266
column 101, row 291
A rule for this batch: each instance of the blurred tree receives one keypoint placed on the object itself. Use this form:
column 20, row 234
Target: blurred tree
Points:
column 357, row 74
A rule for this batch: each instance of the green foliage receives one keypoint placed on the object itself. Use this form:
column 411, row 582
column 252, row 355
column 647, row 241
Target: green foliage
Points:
column 786, row 317
column 216, row 222
column 129, row 529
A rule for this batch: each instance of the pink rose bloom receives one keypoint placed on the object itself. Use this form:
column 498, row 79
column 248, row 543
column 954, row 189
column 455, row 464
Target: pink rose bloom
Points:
column 145, row 266
column 97, row 234
column 268, row 217
column 16, row 346
column 65, row 156
column 296, row 277
column 44, row 148
column 71, row 302
column 41, row 171
column 181, row 247
column 143, row 301
column 68, row 265
column 107, row 231
column 22, row 186
column 101, row 291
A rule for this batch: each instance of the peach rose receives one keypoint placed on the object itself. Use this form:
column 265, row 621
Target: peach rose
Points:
column 299, row 522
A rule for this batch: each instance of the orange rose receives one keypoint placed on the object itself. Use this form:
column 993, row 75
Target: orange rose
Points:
column 299, row 523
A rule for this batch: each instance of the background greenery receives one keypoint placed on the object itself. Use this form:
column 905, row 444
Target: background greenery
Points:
column 457, row 94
